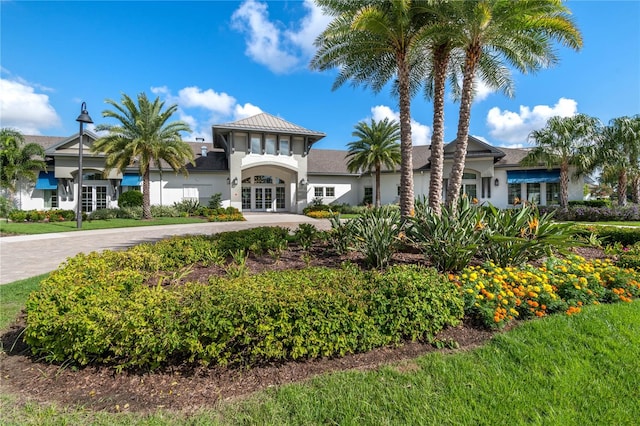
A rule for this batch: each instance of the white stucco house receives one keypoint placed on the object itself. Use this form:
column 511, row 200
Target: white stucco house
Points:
column 265, row 163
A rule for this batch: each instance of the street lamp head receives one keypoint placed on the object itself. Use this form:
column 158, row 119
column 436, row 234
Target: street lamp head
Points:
column 84, row 114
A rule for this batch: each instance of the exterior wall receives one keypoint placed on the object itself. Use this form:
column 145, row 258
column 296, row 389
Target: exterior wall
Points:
column 347, row 189
column 175, row 188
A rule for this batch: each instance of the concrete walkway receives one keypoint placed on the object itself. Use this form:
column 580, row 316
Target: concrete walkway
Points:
column 30, row 255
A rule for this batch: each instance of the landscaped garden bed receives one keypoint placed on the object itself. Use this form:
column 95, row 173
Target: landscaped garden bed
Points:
column 234, row 312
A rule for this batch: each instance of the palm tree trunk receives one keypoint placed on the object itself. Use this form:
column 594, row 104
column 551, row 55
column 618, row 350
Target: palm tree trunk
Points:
column 406, row 146
column 462, row 138
column 378, row 203
column 635, row 187
column 564, row 184
column 440, row 61
column 146, row 196
column 622, row 188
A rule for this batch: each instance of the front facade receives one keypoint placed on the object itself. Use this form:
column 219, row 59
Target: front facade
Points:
column 264, row 163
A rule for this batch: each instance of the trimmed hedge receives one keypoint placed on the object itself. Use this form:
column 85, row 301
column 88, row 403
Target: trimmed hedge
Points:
column 611, row 234
column 586, row 213
column 98, row 309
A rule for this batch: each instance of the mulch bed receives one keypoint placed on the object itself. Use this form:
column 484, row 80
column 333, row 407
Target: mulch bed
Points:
column 187, row 388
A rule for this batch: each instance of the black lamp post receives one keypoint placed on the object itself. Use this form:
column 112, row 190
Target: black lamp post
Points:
column 82, row 118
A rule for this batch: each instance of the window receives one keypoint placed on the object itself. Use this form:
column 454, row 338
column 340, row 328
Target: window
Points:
column 368, row 195
column 318, row 191
column 330, row 191
column 256, row 144
column 470, row 190
column 50, row 198
column 445, row 188
column 486, row 187
column 515, row 193
column 270, row 145
column 398, row 191
column 533, row 193
column 553, row 193
column 284, row 146
column 262, row 179
column 469, row 176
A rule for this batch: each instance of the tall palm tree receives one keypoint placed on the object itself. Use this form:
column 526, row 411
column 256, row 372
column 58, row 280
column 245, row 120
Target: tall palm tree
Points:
column 564, row 142
column 372, row 42
column 19, row 161
column 521, row 34
column 620, row 155
column 377, row 146
column 145, row 135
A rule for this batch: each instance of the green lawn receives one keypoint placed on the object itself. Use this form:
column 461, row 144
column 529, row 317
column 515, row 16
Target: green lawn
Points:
column 577, row 370
column 45, row 228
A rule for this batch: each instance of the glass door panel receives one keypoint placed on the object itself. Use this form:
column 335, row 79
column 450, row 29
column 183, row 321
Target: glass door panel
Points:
column 268, row 198
column 246, row 198
column 87, row 199
column 259, row 199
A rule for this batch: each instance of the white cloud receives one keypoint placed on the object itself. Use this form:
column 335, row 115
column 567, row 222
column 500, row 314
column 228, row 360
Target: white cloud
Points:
column 420, row 133
column 201, row 108
column 514, row 127
column 270, row 44
column 310, row 27
column 246, row 110
column 24, row 109
column 220, row 103
column 481, row 91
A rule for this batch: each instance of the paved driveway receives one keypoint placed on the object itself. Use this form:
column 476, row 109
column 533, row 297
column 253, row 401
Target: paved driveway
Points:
column 29, row 255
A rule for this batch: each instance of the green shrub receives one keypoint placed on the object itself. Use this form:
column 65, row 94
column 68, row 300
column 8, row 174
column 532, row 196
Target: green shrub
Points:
column 164, row 211
column 103, row 214
column 215, row 202
column 130, row 198
column 341, row 236
column 130, row 213
column 516, row 236
column 305, row 235
column 18, row 216
column 91, row 312
column 188, row 206
column 449, row 240
column 6, row 206
column 610, row 235
column 376, row 234
column 261, row 238
column 590, row 203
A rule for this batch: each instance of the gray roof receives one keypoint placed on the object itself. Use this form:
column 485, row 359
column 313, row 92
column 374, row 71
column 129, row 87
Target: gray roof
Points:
column 44, row 141
column 512, row 157
column 268, row 123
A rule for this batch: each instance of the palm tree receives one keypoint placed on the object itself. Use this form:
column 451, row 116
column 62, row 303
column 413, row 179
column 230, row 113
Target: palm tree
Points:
column 18, row 160
column 372, row 42
column 144, row 135
column 620, row 155
column 377, row 146
column 518, row 32
column 564, row 142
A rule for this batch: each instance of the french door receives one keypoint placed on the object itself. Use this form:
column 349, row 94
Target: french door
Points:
column 263, row 198
column 94, row 198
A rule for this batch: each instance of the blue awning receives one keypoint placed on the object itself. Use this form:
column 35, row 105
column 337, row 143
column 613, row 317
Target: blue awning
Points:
column 533, row 176
column 47, row 180
column 131, row 179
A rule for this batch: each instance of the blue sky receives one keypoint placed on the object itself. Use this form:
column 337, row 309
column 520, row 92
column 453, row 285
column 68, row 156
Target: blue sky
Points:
column 225, row 60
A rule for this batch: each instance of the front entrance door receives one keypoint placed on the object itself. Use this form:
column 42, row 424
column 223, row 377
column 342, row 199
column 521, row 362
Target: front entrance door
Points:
column 94, row 198
column 263, row 198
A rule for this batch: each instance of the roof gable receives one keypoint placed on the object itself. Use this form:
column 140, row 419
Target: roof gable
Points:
column 70, row 145
column 267, row 123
